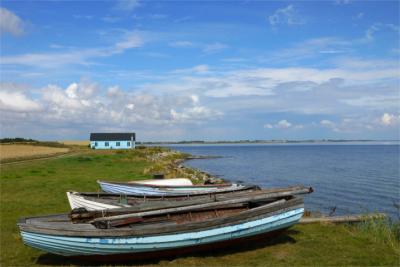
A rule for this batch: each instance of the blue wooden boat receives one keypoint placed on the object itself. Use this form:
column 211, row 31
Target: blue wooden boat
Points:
column 162, row 232
column 159, row 190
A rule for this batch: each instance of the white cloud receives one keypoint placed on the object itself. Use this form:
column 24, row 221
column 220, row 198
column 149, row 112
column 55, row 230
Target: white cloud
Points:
column 181, row 44
column 13, row 98
column 127, row 5
column 311, row 48
column 194, row 114
column 281, row 75
column 342, row 2
column 268, row 126
column 377, row 27
column 49, row 60
column 331, row 51
column 10, row 23
column 299, row 126
column 363, row 64
column 88, row 17
column 158, row 16
column 360, row 123
column 283, row 124
column 72, row 90
column 359, row 91
column 358, row 16
column 337, row 87
column 234, row 59
column 195, row 99
column 56, row 46
column 210, row 48
column 199, row 69
column 287, row 15
column 60, row 99
column 373, row 101
column 111, row 19
column 87, row 106
column 389, row 119
column 132, row 39
column 334, row 126
column 327, row 123
column 214, row 48
column 183, row 19
column 130, row 106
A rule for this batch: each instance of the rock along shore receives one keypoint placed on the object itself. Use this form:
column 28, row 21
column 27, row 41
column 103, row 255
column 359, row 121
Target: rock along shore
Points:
column 170, row 163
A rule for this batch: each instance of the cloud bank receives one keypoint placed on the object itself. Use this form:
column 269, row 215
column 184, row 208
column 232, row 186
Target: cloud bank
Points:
column 10, row 23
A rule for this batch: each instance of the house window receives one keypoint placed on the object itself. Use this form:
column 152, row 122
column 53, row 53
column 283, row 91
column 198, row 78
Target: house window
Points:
column 95, row 143
column 106, row 143
column 128, row 143
column 117, row 144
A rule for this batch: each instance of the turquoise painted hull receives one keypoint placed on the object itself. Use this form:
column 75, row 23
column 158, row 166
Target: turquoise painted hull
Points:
column 91, row 246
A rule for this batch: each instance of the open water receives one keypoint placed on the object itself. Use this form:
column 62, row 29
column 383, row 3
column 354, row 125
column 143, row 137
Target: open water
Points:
column 347, row 178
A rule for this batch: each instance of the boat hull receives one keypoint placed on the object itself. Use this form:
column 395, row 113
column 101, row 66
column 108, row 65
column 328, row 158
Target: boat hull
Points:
column 182, row 251
column 121, row 247
column 150, row 190
column 76, row 202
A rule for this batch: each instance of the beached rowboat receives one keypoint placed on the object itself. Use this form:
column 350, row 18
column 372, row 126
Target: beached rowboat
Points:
column 102, row 201
column 162, row 232
column 164, row 190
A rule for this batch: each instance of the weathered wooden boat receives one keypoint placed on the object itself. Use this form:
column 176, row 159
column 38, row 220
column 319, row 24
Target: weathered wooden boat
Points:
column 162, row 232
column 163, row 190
column 102, row 201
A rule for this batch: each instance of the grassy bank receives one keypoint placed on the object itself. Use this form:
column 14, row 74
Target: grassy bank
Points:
column 38, row 188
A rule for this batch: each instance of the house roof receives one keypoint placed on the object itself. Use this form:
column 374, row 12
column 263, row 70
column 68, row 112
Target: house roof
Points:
column 112, row 136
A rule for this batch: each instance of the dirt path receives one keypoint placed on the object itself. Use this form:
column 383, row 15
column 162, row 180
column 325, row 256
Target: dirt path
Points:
column 68, row 154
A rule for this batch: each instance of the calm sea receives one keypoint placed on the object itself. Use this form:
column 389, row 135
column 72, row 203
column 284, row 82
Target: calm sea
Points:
column 354, row 178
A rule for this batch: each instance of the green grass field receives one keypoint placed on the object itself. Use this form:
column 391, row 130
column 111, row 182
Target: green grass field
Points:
column 38, row 188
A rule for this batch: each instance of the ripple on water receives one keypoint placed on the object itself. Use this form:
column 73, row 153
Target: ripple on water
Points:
column 355, row 178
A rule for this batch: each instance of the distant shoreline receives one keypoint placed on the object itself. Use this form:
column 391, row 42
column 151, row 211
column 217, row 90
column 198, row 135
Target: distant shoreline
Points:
column 323, row 141
column 60, row 143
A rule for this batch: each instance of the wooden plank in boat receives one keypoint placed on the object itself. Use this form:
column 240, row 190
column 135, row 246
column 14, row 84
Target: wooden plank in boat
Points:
column 182, row 209
column 166, row 205
column 147, row 230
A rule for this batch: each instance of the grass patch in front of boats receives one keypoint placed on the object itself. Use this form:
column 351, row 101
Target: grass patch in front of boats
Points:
column 38, row 188
column 319, row 244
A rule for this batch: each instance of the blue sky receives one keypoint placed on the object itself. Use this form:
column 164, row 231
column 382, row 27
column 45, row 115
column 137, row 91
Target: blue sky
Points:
column 188, row 70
